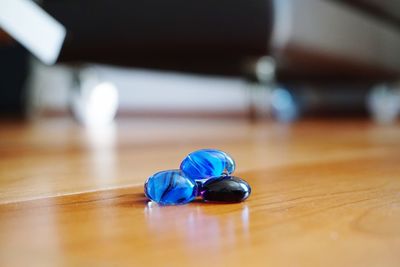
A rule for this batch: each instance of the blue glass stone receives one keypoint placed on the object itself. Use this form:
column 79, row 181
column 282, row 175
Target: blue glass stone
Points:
column 206, row 163
column 226, row 189
column 170, row 188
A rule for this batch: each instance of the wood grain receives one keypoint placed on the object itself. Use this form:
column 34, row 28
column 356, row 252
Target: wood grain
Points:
column 324, row 194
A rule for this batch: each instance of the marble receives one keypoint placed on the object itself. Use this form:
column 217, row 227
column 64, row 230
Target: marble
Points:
column 170, row 187
column 205, row 163
column 226, row 189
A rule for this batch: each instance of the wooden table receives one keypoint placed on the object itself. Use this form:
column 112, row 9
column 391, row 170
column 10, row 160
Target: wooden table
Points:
column 324, row 194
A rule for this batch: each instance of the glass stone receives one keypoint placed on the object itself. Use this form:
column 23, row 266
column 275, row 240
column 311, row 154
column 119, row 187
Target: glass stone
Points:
column 170, row 188
column 225, row 189
column 206, row 163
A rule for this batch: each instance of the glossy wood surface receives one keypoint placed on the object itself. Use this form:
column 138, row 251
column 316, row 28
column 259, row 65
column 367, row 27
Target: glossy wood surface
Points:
column 324, row 194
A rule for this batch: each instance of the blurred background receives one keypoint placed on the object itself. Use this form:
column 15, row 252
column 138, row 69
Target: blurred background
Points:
column 281, row 60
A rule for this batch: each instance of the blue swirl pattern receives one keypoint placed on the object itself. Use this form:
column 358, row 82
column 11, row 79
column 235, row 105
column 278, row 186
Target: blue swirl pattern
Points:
column 170, row 188
column 206, row 163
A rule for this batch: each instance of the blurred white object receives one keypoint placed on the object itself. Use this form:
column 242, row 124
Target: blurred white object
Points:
column 31, row 26
column 265, row 70
column 94, row 102
column 384, row 103
column 260, row 99
column 49, row 88
column 260, row 91
column 161, row 91
column 142, row 91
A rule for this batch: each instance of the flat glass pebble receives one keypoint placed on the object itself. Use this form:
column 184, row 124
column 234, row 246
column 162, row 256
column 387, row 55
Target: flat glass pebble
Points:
column 170, row 187
column 225, row 189
column 206, row 163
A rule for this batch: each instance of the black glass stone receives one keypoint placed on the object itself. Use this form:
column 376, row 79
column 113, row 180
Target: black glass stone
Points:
column 226, row 189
